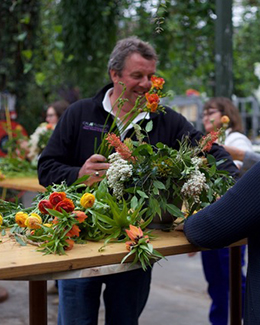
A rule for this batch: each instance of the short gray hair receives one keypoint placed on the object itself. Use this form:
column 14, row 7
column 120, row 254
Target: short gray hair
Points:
column 126, row 47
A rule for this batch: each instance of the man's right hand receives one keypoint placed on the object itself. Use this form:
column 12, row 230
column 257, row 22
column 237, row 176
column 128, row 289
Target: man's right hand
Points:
column 95, row 166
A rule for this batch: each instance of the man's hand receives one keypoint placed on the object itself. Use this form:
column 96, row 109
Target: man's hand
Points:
column 96, row 167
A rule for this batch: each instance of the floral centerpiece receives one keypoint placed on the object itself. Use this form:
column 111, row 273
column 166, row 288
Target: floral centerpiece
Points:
column 143, row 182
column 38, row 141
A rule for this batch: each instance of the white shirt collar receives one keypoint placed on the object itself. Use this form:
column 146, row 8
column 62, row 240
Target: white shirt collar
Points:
column 108, row 108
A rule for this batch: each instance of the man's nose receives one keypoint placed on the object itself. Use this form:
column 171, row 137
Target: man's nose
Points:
column 146, row 82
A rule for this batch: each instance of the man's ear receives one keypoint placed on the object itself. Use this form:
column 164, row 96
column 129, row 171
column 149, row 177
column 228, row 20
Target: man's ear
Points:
column 114, row 76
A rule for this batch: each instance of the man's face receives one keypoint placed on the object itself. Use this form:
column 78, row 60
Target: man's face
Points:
column 136, row 77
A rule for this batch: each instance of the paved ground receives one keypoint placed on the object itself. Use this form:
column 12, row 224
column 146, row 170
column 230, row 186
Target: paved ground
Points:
column 178, row 297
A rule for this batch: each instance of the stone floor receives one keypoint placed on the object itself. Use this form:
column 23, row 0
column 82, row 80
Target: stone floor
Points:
column 178, row 296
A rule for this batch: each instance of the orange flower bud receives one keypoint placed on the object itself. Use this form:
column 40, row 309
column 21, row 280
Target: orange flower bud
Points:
column 225, row 119
column 70, row 243
column 157, row 82
column 87, row 200
column 80, row 216
column 152, row 101
column 129, row 245
column 74, row 231
column 20, row 218
column 135, row 233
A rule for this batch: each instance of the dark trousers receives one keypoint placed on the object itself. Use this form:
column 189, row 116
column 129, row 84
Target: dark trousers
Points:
column 216, row 270
column 125, row 296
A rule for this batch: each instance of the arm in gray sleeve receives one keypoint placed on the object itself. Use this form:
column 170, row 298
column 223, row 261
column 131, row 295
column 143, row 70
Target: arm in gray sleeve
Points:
column 250, row 159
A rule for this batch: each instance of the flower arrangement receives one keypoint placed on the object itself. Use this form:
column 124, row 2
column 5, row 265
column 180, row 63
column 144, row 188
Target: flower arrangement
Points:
column 15, row 163
column 38, row 140
column 143, row 183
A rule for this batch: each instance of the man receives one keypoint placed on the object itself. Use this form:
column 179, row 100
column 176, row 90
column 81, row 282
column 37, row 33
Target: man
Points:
column 70, row 154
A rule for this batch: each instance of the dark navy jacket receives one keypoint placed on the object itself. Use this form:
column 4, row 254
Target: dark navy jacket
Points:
column 233, row 217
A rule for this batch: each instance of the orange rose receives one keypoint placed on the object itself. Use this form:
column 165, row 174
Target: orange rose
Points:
column 152, row 101
column 66, row 204
column 157, row 82
column 80, row 216
column 56, row 197
column 20, row 218
column 43, row 204
column 74, row 231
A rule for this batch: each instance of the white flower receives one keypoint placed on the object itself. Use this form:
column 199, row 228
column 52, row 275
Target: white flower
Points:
column 119, row 171
column 34, row 147
column 194, row 185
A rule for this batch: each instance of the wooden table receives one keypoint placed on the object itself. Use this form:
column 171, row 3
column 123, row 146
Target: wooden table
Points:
column 22, row 184
column 25, row 263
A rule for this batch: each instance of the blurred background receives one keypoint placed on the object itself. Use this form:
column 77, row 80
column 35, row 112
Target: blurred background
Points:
column 58, row 49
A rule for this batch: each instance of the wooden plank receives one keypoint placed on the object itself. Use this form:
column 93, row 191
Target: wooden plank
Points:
column 20, row 261
column 22, row 184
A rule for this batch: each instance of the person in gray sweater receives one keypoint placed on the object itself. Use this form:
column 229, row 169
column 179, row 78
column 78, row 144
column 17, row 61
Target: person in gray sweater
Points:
column 236, row 215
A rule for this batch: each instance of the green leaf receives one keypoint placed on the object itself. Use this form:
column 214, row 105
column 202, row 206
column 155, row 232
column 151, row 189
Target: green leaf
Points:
column 159, row 185
column 3, row 232
column 134, row 202
column 27, row 54
column 19, row 240
column 21, row 37
column 176, row 212
column 40, row 78
column 149, row 126
column 142, row 194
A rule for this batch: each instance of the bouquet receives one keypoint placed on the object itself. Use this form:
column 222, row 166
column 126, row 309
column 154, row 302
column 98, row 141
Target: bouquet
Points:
column 142, row 183
column 38, row 141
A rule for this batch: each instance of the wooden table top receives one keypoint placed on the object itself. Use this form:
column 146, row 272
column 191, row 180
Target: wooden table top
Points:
column 24, row 261
column 22, row 184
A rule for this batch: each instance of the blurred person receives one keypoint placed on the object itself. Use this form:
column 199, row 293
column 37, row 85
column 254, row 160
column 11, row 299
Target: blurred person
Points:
column 55, row 110
column 71, row 154
column 233, row 217
column 216, row 262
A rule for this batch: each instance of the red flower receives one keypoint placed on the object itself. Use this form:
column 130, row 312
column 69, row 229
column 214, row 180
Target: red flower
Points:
column 44, row 204
column 74, row 231
column 120, row 147
column 56, row 197
column 66, row 204
column 157, row 82
column 152, row 101
column 80, row 216
column 208, row 140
